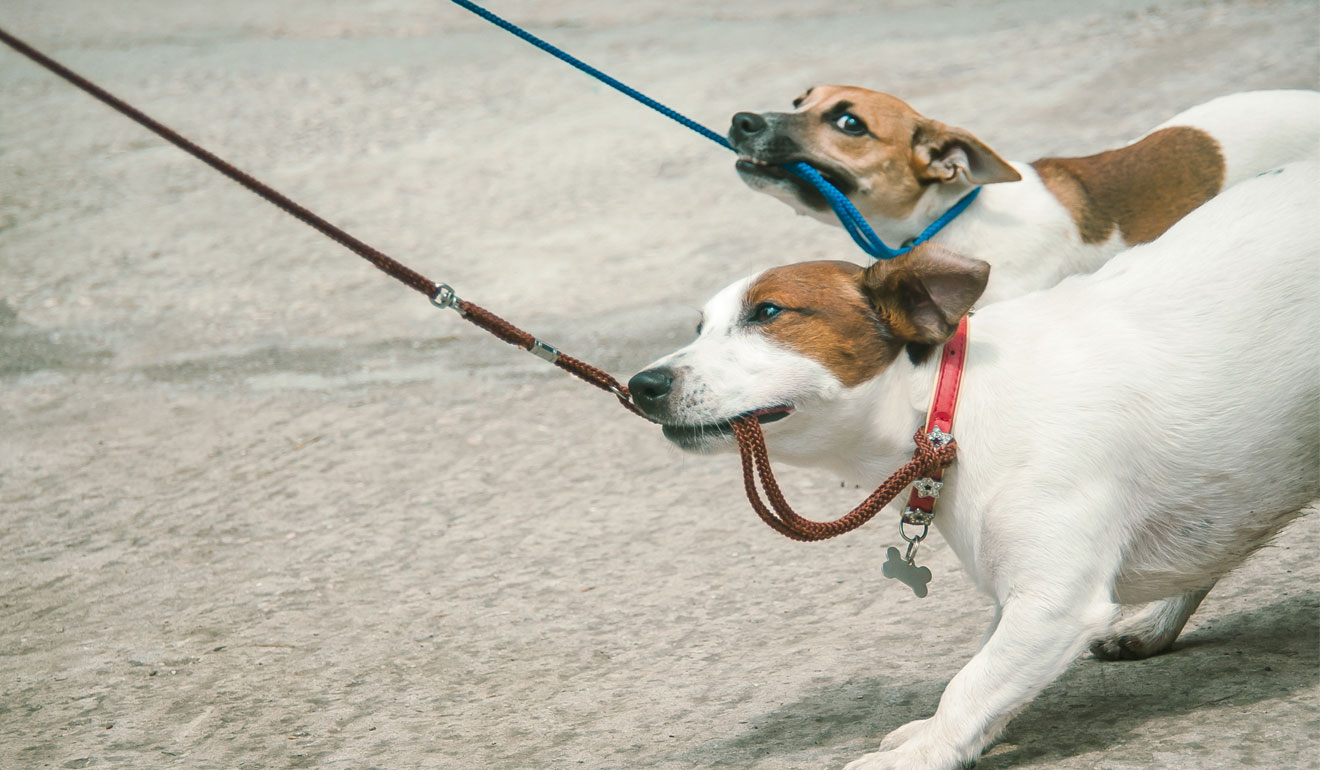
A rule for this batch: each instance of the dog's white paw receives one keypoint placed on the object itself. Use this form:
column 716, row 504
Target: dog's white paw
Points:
column 907, row 757
column 1122, row 646
column 910, row 747
column 902, row 735
column 880, row 760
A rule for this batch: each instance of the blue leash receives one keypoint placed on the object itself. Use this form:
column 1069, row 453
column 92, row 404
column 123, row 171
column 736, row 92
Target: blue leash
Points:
column 848, row 215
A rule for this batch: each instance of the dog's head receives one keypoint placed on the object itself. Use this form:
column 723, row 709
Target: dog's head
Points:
column 876, row 149
column 791, row 344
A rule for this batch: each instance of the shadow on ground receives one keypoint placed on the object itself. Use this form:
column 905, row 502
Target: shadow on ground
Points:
column 1236, row 660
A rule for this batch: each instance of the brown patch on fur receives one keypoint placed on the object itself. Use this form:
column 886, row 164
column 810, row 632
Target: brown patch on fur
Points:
column 1141, row 189
column 825, row 318
column 878, row 163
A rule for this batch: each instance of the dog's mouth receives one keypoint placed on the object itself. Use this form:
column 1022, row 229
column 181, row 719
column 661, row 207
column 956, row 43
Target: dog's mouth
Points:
column 752, row 168
column 699, row 436
column 749, row 165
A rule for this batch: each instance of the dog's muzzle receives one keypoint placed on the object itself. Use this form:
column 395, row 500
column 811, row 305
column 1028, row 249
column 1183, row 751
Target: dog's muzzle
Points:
column 763, row 138
column 654, row 391
column 765, row 142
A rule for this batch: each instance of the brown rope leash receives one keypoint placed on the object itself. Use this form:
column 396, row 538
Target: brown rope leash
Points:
column 440, row 294
column 479, row 316
column 784, row 520
column 751, row 442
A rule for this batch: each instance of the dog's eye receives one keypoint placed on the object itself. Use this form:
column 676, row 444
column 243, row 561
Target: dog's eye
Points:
column 765, row 311
column 849, row 124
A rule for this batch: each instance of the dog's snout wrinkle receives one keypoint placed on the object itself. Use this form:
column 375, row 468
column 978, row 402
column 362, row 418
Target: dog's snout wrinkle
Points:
column 773, row 147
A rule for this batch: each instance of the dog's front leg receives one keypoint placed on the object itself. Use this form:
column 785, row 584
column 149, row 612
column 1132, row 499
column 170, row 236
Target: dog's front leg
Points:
column 1037, row 637
column 994, row 625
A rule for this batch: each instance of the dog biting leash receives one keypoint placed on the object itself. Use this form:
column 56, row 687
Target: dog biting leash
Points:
column 851, row 219
column 936, row 450
column 931, row 456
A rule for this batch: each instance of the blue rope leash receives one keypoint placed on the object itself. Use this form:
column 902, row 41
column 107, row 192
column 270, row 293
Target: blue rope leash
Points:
column 848, row 215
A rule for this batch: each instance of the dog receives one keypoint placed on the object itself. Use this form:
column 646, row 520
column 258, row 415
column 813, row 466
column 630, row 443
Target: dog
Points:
column 1125, row 438
column 1035, row 223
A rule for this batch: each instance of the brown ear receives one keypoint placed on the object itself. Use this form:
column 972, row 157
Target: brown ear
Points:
column 940, row 152
column 922, row 295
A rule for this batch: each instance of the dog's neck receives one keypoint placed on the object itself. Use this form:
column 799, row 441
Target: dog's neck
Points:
column 935, row 201
column 1020, row 228
column 863, row 433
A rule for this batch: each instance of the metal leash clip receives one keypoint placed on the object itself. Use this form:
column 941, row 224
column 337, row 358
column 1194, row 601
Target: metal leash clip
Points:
column 444, row 297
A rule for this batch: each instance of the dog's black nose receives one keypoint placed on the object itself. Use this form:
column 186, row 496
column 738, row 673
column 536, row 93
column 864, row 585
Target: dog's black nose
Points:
column 745, row 126
column 650, row 389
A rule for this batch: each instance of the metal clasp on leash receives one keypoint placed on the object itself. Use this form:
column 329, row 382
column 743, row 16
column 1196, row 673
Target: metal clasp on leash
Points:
column 444, row 297
column 543, row 351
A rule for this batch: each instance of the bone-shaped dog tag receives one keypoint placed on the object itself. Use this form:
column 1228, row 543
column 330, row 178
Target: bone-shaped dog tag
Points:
column 907, row 573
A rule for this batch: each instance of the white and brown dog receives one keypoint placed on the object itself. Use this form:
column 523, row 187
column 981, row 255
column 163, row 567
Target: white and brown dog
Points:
column 1125, row 438
column 1034, row 223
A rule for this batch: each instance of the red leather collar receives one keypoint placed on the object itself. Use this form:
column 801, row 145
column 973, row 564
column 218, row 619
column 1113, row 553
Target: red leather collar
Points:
column 939, row 424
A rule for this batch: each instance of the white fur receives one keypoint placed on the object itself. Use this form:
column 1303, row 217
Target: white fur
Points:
column 1125, row 437
column 1257, row 130
column 1029, row 238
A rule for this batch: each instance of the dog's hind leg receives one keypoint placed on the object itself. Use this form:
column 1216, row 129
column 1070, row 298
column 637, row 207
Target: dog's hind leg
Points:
column 1150, row 630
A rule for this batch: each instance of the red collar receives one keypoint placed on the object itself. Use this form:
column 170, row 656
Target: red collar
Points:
column 939, row 424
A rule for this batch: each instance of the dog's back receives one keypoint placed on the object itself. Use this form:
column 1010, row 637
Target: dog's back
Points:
column 1141, row 189
column 1290, row 118
column 1188, row 372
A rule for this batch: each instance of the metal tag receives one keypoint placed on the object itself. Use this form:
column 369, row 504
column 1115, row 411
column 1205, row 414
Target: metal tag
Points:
column 906, row 572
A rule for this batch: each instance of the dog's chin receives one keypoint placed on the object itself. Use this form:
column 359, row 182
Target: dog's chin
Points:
column 775, row 180
column 716, row 437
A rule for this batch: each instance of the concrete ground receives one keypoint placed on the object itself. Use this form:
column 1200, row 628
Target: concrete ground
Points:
column 261, row 507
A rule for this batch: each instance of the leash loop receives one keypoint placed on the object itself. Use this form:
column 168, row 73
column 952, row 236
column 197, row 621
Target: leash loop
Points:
column 775, row 511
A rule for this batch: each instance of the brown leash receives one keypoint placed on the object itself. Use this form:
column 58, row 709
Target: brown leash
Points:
column 751, row 442
column 784, row 520
column 439, row 293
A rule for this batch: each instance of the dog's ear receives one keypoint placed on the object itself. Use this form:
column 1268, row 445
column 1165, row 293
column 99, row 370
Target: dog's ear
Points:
column 940, row 152
column 922, row 295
